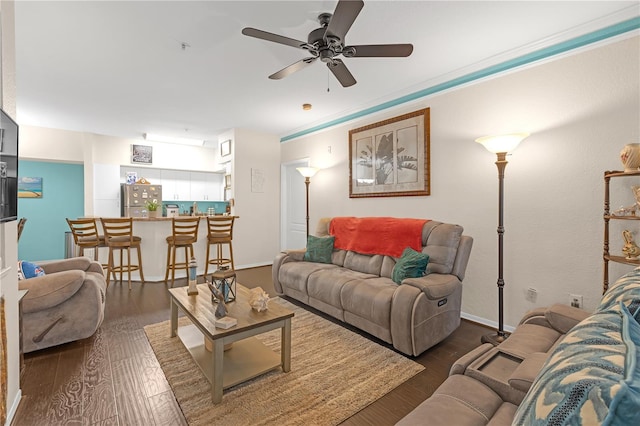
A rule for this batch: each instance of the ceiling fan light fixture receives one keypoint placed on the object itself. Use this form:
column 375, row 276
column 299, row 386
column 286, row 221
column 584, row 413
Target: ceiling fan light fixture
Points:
column 306, row 107
column 172, row 139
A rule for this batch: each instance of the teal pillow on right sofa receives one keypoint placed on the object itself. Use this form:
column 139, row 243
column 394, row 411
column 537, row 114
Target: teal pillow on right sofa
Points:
column 412, row 264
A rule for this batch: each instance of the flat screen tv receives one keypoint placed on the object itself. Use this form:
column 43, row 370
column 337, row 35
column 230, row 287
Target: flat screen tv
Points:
column 8, row 168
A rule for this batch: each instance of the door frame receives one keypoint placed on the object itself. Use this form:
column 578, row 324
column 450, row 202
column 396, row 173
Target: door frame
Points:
column 285, row 168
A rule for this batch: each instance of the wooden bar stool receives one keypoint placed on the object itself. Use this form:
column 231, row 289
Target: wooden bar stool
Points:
column 185, row 234
column 21, row 223
column 118, row 234
column 85, row 235
column 220, row 231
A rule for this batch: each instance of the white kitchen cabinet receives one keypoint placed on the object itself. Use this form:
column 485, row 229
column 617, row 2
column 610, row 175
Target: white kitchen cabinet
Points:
column 176, row 185
column 206, row 186
column 152, row 175
column 106, row 190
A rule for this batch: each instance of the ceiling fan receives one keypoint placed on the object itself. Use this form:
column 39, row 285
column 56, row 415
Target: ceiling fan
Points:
column 328, row 42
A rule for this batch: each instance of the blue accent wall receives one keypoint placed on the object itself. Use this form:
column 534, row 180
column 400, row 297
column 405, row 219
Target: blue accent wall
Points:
column 43, row 237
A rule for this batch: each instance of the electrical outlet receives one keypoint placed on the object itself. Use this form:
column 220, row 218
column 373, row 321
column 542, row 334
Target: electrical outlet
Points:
column 576, row 300
column 532, row 294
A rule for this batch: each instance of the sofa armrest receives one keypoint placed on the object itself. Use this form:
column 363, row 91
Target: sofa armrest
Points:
column 564, row 317
column 463, row 362
column 73, row 263
column 280, row 259
column 535, row 316
column 526, row 372
column 434, row 286
column 50, row 290
column 296, row 255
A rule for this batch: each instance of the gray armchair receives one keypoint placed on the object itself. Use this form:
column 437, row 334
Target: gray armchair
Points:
column 64, row 305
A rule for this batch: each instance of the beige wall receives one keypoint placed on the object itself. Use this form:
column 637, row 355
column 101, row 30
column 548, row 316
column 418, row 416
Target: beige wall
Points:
column 256, row 232
column 581, row 110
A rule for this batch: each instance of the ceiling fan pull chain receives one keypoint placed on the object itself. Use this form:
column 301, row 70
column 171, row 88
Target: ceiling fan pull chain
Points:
column 328, row 80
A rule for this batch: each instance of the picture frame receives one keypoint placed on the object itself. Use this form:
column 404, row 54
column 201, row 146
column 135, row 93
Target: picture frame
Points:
column 391, row 158
column 141, row 154
column 225, row 148
column 29, row 187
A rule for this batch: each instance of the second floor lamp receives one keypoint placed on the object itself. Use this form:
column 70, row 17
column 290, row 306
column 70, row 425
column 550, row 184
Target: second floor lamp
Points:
column 501, row 146
column 308, row 173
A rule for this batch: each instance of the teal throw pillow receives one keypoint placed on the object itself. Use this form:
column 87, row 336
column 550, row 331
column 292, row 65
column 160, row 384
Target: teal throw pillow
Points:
column 29, row 270
column 319, row 249
column 412, row 264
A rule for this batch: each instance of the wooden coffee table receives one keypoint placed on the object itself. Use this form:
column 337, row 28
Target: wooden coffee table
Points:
column 248, row 357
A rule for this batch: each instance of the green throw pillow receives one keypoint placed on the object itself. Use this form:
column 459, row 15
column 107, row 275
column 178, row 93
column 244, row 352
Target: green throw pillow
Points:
column 319, row 249
column 412, row 264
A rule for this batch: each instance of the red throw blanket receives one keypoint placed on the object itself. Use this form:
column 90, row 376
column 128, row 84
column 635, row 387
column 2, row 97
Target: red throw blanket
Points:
column 377, row 235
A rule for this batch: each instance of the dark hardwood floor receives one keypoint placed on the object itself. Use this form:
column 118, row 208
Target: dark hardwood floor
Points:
column 113, row 377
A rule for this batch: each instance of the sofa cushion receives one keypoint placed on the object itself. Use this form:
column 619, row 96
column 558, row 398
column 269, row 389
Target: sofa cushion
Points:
column 369, row 299
column 589, row 377
column 460, row 401
column 365, row 263
column 326, row 285
column 528, row 339
column 441, row 241
column 294, row 275
column 411, row 264
column 319, row 249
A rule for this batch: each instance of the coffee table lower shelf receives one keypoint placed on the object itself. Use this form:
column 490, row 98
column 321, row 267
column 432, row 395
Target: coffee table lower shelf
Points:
column 246, row 359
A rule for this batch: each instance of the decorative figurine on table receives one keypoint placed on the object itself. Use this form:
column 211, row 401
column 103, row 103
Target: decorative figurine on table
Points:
column 630, row 248
column 216, row 296
column 258, row 299
column 193, row 277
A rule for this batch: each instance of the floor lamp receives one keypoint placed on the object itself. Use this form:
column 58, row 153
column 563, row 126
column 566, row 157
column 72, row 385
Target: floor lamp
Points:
column 308, row 173
column 501, row 146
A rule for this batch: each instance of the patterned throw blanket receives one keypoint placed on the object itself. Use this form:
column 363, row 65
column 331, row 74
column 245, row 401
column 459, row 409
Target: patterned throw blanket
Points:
column 377, row 235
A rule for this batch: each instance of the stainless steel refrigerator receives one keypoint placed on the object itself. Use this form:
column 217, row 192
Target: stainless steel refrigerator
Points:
column 134, row 199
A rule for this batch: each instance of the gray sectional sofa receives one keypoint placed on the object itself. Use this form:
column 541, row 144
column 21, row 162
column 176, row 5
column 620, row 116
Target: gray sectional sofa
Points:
column 357, row 288
column 561, row 366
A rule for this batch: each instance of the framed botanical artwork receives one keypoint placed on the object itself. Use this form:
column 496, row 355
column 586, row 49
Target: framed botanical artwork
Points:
column 391, row 158
column 141, row 154
column 225, row 148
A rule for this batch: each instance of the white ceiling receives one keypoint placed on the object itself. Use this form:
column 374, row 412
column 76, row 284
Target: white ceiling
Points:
column 118, row 68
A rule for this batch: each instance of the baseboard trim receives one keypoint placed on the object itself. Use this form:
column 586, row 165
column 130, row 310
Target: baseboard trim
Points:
column 484, row 321
column 14, row 408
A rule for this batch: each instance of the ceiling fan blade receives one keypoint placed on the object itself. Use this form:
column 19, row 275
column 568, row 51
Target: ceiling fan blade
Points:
column 343, row 17
column 379, row 50
column 340, row 70
column 252, row 32
column 296, row 66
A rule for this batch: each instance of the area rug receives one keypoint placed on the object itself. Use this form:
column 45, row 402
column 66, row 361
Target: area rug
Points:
column 334, row 374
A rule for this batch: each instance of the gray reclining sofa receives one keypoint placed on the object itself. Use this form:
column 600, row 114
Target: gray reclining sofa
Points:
column 357, row 288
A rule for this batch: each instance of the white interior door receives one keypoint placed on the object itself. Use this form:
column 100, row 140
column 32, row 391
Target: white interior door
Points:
column 294, row 213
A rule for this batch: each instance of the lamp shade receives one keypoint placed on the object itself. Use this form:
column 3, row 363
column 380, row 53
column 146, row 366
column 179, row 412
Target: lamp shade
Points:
column 307, row 171
column 502, row 143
